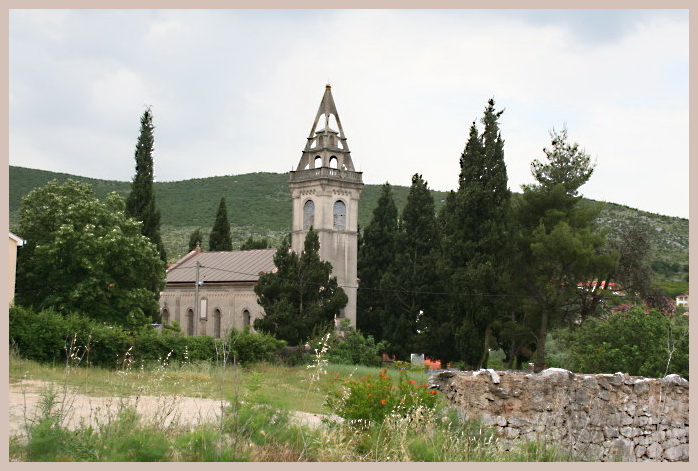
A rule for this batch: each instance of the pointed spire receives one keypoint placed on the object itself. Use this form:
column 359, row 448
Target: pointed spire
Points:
column 327, row 147
column 326, row 110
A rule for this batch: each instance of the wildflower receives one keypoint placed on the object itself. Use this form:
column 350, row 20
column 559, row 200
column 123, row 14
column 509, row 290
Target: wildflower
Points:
column 412, row 381
column 383, row 401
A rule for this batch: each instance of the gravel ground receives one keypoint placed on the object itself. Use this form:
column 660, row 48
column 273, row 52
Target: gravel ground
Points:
column 80, row 410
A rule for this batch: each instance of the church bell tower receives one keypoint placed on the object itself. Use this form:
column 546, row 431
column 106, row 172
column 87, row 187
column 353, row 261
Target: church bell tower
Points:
column 325, row 190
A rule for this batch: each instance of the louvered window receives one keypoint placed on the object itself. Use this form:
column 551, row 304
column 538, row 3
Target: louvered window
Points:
column 340, row 216
column 308, row 214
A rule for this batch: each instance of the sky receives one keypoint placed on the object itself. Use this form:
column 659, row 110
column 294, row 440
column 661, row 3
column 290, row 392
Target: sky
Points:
column 236, row 91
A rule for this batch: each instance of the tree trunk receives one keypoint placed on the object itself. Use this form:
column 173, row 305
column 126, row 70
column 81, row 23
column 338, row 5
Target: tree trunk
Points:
column 540, row 344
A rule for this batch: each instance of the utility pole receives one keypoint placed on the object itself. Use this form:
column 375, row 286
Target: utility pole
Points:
column 196, row 299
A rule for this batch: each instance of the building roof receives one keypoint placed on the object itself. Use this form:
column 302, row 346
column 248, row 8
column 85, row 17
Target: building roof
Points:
column 222, row 267
column 18, row 240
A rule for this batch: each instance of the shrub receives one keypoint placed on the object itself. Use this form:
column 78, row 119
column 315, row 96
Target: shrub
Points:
column 48, row 337
column 253, row 347
column 348, row 346
column 638, row 343
column 370, row 399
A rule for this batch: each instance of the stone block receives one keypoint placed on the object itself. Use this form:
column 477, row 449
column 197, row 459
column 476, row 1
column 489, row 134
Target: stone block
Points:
column 611, row 432
column 604, row 395
column 640, row 451
column 654, row 451
column 621, row 450
column 671, row 443
column 677, row 453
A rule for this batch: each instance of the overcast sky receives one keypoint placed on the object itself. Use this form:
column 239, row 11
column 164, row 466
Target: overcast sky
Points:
column 236, row 91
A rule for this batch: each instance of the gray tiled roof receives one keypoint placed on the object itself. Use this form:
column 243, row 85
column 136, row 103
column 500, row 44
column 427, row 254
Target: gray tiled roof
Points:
column 220, row 267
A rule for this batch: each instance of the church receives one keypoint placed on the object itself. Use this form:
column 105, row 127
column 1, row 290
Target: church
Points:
column 210, row 293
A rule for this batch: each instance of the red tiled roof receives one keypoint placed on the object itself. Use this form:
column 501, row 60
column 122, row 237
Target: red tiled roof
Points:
column 220, row 267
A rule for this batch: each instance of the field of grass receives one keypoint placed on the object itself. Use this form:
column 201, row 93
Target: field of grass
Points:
column 257, row 426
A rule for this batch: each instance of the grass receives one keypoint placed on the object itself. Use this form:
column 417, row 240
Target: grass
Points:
column 279, row 386
column 258, row 425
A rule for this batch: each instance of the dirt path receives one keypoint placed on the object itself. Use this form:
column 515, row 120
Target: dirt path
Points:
column 80, row 410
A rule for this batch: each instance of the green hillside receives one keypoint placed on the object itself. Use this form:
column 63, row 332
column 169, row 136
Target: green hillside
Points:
column 259, row 205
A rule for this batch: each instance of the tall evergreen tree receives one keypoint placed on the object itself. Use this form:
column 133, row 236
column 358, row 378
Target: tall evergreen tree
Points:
column 376, row 255
column 475, row 229
column 140, row 203
column 558, row 244
column 301, row 296
column 220, row 238
column 196, row 239
column 411, row 281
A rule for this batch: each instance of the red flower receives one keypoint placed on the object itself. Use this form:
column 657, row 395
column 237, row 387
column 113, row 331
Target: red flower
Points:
column 383, row 401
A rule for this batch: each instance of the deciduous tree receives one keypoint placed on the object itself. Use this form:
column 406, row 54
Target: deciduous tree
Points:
column 85, row 256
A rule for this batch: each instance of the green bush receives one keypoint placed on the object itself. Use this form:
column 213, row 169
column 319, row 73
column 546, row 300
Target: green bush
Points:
column 348, row 346
column 637, row 343
column 50, row 337
column 370, row 399
column 252, row 347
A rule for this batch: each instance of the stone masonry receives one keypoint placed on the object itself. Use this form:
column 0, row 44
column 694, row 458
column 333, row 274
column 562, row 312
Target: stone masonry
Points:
column 599, row 417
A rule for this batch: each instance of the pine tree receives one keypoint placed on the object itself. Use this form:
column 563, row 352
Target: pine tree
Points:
column 376, row 255
column 558, row 244
column 301, row 296
column 220, row 238
column 140, row 203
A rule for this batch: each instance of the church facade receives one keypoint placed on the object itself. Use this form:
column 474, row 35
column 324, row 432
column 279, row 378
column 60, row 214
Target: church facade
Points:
column 210, row 293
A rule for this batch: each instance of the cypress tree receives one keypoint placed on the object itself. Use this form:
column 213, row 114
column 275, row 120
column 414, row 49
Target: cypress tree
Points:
column 140, row 203
column 220, row 238
column 196, row 238
column 376, row 255
column 411, row 280
column 475, row 225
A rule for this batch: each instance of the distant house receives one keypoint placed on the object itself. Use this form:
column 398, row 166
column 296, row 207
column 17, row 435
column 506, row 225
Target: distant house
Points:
column 682, row 300
column 210, row 293
column 15, row 242
column 614, row 288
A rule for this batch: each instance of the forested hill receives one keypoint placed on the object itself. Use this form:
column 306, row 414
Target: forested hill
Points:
column 259, row 205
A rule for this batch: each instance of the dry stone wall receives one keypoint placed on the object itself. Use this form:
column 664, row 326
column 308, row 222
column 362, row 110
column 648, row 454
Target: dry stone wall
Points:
column 600, row 417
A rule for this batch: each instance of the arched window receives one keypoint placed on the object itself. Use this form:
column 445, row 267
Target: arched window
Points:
column 217, row 323
column 318, row 161
column 333, row 162
column 246, row 318
column 339, row 214
column 308, row 214
column 190, row 322
column 165, row 316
